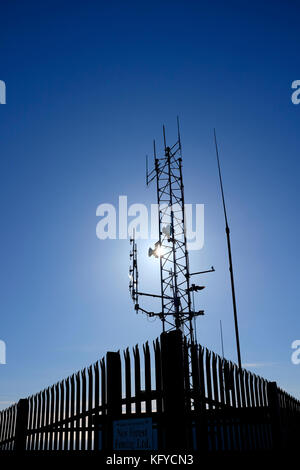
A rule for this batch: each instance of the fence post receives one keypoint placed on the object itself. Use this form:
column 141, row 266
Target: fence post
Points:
column 21, row 425
column 173, row 385
column 113, row 395
column 274, row 409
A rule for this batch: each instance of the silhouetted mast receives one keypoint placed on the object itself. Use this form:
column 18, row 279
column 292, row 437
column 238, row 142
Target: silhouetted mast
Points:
column 176, row 309
column 230, row 260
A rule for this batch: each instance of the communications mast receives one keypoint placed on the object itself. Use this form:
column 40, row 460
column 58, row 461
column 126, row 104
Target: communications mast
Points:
column 177, row 309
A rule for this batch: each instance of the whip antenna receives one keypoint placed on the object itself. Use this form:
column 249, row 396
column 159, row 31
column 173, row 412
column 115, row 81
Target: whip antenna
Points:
column 230, row 258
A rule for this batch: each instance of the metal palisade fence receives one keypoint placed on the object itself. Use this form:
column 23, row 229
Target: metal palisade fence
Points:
column 146, row 400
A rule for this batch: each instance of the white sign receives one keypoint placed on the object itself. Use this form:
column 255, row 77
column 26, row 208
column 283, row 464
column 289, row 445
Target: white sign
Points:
column 132, row 434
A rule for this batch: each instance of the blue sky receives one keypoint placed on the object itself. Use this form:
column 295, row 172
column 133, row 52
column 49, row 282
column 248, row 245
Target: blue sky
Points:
column 89, row 85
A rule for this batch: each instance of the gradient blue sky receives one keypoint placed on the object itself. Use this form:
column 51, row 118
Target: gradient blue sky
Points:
column 88, row 87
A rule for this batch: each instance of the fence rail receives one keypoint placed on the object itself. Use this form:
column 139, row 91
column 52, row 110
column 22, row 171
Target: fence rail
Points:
column 220, row 409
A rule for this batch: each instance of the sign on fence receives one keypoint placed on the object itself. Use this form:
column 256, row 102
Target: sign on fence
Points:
column 132, row 434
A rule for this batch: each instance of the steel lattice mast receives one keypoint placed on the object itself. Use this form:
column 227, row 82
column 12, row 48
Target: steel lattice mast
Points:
column 177, row 311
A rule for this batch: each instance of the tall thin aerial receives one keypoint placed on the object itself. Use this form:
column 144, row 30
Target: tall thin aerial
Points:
column 177, row 310
column 227, row 230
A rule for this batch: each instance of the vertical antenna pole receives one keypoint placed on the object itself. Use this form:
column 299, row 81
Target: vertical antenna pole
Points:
column 230, row 260
column 157, row 171
column 174, row 274
column 194, row 338
column 178, row 136
column 185, row 246
column 222, row 344
column 164, row 134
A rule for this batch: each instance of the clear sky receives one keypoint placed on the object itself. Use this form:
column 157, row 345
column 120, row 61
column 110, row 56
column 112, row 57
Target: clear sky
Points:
column 89, row 85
